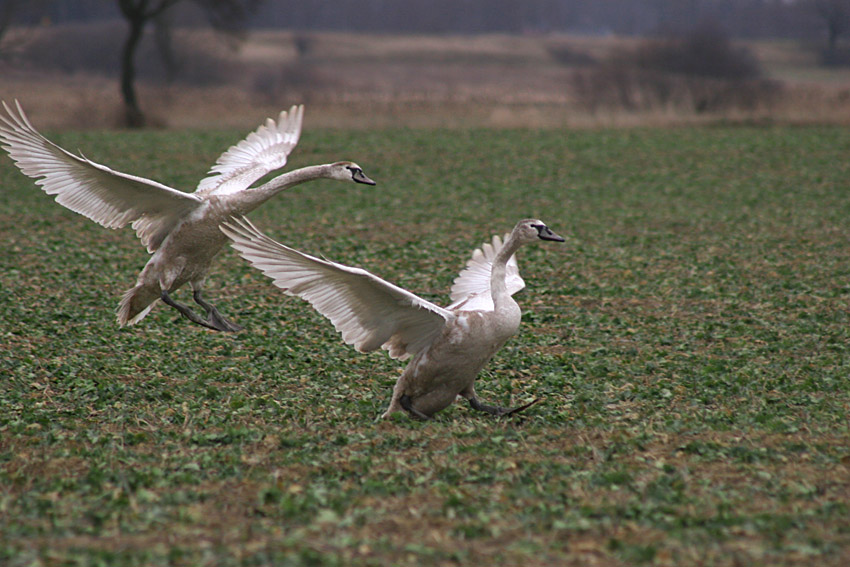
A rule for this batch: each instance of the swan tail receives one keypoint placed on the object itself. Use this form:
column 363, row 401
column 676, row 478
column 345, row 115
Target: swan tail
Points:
column 135, row 304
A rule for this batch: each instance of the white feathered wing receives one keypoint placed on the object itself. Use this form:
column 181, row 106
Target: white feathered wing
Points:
column 109, row 198
column 262, row 151
column 471, row 289
column 369, row 312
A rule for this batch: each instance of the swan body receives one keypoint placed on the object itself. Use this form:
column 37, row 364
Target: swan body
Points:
column 179, row 229
column 447, row 347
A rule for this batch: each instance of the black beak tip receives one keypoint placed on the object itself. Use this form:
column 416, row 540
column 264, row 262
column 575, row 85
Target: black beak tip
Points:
column 545, row 233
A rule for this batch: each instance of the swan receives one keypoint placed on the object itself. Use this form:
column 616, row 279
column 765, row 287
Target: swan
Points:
column 448, row 346
column 179, row 229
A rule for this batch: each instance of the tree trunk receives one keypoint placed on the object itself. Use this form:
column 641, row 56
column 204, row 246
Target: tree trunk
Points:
column 225, row 13
column 7, row 14
column 832, row 38
column 133, row 116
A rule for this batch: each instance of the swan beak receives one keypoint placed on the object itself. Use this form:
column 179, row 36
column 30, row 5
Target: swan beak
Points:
column 545, row 234
column 360, row 177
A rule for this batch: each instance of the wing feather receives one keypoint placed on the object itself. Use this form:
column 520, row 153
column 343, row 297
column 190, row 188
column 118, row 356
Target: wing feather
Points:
column 471, row 289
column 369, row 312
column 262, row 151
column 110, row 198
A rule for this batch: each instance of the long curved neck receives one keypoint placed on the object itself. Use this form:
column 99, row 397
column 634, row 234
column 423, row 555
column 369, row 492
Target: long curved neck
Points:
column 259, row 195
column 498, row 271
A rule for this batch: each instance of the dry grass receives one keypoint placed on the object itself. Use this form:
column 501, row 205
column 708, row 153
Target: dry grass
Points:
column 354, row 81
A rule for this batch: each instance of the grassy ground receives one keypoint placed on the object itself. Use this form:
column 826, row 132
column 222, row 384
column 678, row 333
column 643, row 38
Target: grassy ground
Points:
column 690, row 340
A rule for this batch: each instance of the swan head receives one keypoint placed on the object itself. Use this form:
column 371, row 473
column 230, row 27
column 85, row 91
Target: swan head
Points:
column 348, row 171
column 529, row 230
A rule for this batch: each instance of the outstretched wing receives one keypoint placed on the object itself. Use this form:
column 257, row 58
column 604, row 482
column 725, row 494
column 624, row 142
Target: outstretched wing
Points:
column 264, row 150
column 368, row 311
column 109, row 198
column 471, row 289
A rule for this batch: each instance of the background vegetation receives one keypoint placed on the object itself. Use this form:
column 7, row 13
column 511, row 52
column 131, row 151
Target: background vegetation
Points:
column 690, row 340
column 358, row 81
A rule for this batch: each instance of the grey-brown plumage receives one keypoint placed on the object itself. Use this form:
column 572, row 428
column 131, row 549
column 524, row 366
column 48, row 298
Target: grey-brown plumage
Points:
column 179, row 229
column 447, row 346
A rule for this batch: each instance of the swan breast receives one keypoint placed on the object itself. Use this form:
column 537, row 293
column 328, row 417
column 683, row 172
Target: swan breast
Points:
column 435, row 377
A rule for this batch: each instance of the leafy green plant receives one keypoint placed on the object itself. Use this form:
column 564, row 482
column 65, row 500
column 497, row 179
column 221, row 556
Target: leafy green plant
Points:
column 690, row 342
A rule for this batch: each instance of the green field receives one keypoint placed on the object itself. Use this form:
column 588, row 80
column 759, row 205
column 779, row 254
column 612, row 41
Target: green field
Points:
column 691, row 340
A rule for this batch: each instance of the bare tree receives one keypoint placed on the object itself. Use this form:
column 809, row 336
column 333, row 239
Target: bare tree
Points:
column 836, row 18
column 7, row 13
column 224, row 15
column 10, row 10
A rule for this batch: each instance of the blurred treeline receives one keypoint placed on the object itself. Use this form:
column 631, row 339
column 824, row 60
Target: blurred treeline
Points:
column 738, row 18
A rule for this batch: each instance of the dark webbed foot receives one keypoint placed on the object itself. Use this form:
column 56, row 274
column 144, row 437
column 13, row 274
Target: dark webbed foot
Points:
column 408, row 407
column 214, row 320
column 497, row 410
column 214, row 317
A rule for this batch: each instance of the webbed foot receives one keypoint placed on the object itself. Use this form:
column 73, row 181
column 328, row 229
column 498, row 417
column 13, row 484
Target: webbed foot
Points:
column 214, row 317
column 498, row 410
column 408, row 407
column 215, row 320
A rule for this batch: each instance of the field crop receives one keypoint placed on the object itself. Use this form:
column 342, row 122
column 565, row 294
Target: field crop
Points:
column 690, row 341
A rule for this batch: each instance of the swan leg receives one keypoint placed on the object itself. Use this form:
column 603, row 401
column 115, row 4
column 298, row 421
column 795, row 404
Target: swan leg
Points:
column 214, row 317
column 188, row 313
column 497, row 410
column 408, row 407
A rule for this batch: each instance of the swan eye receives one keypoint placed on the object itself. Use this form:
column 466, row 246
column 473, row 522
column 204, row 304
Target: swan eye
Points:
column 358, row 176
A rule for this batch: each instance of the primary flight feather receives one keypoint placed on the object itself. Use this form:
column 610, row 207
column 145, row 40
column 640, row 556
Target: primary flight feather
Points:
column 447, row 346
column 179, row 229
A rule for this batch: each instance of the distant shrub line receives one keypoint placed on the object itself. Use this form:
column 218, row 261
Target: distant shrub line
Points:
column 699, row 71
